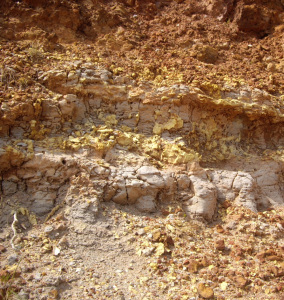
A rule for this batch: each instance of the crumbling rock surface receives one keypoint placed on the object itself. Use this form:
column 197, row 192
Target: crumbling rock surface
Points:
column 176, row 125
column 51, row 179
column 258, row 17
column 150, row 124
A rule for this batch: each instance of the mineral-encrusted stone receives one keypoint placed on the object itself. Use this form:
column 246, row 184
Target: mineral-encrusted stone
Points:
column 72, row 107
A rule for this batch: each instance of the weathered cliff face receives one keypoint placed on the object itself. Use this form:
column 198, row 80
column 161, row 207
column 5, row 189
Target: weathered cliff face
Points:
column 146, row 141
column 210, row 131
column 142, row 145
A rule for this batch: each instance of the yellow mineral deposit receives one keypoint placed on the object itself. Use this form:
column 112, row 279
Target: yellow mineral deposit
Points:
column 110, row 120
column 30, row 147
column 124, row 139
column 211, row 89
column 174, row 123
column 38, row 132
column 173, row 154
column 125, row 128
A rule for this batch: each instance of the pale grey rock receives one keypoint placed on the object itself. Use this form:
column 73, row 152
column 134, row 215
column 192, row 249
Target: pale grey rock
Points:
column 148, row 251
column 152, row 176
column 223, row 181
column 155, row 180
column 22, row 144
column 119, row 183
column 141, row 231
column 204, row 201
column 268, row 174
column 268, row 179
column 17, row 132
column 52, row 280
column 124, row 184
column 272, row 195
column 72, row 107
column 135, row 189
column 128, row 175
column 42, row 206
column 128, row 172
column 48, row 229
column 147, row 170
column 245, row 185
column 12, row 259
column 99, row 170
column 9, row 187
column 146, row 204
column 183, row 182
column 23, row 295
column 170, row 185
column 85, row 209
column 37, row 276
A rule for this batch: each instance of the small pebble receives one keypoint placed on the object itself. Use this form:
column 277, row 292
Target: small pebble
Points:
column 37, row 276
column 23, row 295
column 141, row 231
column 12, row 259
column 48, row 229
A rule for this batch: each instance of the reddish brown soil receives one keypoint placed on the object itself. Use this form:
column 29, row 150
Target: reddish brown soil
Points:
column 163, row 40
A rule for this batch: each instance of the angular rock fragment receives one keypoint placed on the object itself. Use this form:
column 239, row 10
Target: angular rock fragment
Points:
column 204, row 291
column 245, row 184
column 204, row 201
column 146, row 204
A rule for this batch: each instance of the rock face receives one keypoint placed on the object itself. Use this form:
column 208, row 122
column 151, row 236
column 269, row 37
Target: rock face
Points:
column 190, row 125
column 172, row 125
column 48, row 180
column 204, row 201
column 141, row 149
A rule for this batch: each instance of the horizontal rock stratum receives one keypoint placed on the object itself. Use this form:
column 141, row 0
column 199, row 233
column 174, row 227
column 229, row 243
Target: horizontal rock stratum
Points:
column 92, row 118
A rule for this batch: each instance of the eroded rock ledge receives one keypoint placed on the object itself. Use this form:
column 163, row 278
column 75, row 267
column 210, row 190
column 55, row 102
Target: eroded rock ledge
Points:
column 82, row 182
column 99, row 137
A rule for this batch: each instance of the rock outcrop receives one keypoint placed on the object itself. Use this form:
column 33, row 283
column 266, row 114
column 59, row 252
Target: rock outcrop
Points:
column 178, row 125
column 141, row 149
column 135, row 134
